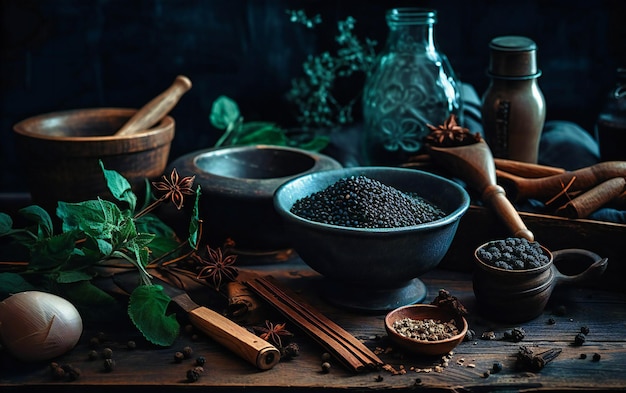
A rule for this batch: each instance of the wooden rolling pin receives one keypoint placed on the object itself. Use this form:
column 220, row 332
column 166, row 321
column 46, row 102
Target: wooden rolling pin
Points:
column 157, row 108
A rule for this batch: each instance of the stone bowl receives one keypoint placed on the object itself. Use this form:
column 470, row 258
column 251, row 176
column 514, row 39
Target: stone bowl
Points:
column 423, row 312
column 238, row 185
column 60, row 153
column 367, row 268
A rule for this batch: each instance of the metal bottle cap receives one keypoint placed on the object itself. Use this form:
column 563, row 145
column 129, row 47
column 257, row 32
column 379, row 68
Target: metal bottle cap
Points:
column 513, row 57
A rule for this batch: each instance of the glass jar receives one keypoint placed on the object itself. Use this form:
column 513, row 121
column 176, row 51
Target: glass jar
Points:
column 410, row 86
column 513, row 107
column 611, row 124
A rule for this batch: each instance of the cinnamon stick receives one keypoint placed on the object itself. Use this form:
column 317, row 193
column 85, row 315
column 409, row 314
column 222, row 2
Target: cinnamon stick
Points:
column 590, row 201
column 344, row 346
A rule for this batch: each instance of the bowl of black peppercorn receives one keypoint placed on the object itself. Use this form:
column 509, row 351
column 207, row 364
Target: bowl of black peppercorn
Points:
column 371, row 231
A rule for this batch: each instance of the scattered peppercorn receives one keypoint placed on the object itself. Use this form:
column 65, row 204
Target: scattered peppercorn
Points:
column 583, row 356
column 92, row 355
column 496, row 367
column 107, row 353
column 109, row 365
column 200, row 361
column 551, row 321
column 418, row 381
column 361, row 202
column 131, row 344
column 516, row 334
column 325, row 356
column 187, row 352
column 584, row 330
column 71, row 372
column 194, row 374
column 178, row 357
column 379, row 378
column 56, row 371
column 596, row 357
column 289, row 351
column 579, row 339
column 325, row 367
column 486, row 374
column 470, row 335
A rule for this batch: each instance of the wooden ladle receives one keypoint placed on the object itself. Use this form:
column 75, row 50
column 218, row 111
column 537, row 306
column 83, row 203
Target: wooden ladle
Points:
column 157, row 108
column 475, row 165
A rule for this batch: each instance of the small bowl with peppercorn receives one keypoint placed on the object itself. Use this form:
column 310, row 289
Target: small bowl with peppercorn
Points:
column 371, row 231
column 426, row 329
column 514, row 278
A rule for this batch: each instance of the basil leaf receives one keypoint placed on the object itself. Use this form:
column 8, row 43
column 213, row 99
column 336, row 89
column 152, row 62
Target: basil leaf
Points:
column 12, row 283
column 53, row 251
column 119, row 187
column 224, row 112
column 6, row 224
column 194, row 224
column 41, row 217
column 146, row 309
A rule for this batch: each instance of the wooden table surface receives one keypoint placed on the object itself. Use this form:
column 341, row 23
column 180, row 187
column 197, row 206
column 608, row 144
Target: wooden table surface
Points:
column 147, row 368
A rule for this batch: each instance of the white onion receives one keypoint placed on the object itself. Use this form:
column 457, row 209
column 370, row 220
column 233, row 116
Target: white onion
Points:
column 38, row 326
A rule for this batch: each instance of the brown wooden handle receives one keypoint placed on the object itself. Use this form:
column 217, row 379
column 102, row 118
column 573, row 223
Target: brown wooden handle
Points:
column 597, row 267
column 495, row 196
column 240, row 341
column 157, row 108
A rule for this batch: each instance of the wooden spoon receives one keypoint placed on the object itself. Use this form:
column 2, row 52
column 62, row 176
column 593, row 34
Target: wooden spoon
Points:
column 475, row 165
column 157, row 108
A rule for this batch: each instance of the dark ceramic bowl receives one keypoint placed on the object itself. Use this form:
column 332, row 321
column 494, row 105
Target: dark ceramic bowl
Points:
column 423, row 312
column 373, row 269
column 238, row 184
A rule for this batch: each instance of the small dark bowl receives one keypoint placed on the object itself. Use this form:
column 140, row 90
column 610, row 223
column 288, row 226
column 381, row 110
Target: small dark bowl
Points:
column 421, row 312
column 373, row 269
column 238, row 184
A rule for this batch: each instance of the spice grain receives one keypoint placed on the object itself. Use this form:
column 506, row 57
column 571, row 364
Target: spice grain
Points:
column 425, row 329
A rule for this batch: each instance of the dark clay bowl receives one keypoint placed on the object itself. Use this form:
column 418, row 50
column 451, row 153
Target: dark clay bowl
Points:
column 373, row 269
column 60, row 153
column 238, row 184
column 422, row 312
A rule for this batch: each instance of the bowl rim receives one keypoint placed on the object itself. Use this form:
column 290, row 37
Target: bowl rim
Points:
column 166, row 125
column 444, row 221
column 393, row 334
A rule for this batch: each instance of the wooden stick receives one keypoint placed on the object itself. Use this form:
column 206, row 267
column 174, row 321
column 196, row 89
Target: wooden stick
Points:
column 350, row 351
column 525, row 169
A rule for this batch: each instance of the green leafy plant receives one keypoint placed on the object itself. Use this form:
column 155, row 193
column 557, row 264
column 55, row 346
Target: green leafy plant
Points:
column 315, row 93
column 225, row 116
column 96, row 234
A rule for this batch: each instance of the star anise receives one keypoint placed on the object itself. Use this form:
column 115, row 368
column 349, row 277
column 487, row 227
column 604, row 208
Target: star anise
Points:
column 450, row 134
column 219, row 267
column 175, row 187
column 272, row 333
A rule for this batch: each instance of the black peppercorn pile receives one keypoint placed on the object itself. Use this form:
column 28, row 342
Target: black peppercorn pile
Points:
column 513, row 254
column 361, row 202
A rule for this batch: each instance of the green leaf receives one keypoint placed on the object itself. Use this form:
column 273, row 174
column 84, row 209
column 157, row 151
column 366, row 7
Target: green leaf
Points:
column 98, row 218
column 53, row 251
column 147, row 308
column 6, row 224
column 165, row 239
column 92, row 303
column 119, row 187
column 39, row 216
column 224, row 112
column 13, row 283
column 72, row 276
column 265, row 137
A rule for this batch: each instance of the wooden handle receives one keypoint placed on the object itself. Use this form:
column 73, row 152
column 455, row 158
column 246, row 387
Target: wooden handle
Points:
column 236, row 338
column 157, row 109
column 495, row 196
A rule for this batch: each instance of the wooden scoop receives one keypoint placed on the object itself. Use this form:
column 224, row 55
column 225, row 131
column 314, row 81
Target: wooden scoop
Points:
column 157, row 108
column 475, row 165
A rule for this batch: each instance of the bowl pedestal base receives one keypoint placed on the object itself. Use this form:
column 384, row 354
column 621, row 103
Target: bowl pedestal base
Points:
column 374, row 300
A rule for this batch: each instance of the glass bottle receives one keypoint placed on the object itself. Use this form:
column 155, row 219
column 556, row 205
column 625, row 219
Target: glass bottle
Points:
column 513, row 106
column 611, row 124
column 411, row 85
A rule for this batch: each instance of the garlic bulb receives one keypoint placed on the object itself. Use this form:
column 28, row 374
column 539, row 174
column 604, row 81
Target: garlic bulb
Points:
column 37, row 326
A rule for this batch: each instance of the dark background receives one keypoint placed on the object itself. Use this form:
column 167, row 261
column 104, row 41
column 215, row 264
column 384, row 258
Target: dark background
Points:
column 67, row 54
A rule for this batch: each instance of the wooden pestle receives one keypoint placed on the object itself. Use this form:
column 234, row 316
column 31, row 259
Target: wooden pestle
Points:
column 546, row 187
column 157, row 108
column 475, row 165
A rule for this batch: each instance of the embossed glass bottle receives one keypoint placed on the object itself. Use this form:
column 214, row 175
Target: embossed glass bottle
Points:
column 411, row 85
